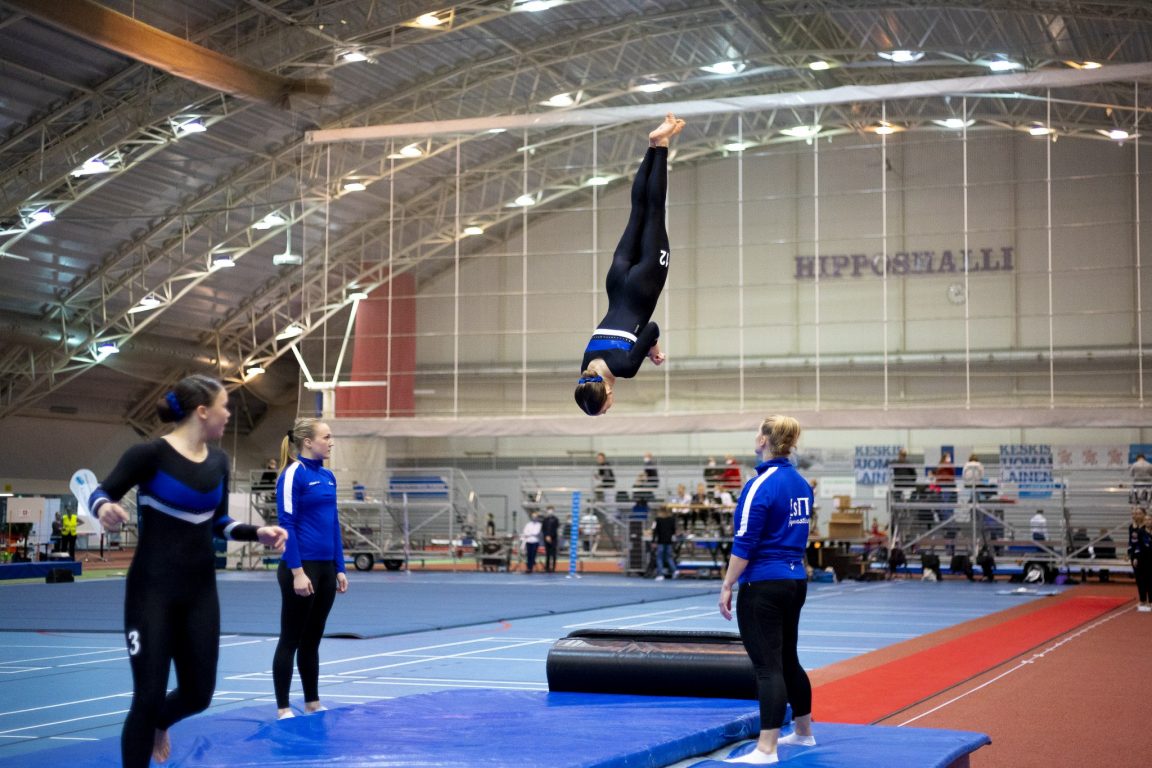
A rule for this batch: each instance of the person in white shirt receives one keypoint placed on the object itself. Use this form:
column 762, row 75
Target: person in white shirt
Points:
column 1039, row 526
column 973, row 475
column 530, row 536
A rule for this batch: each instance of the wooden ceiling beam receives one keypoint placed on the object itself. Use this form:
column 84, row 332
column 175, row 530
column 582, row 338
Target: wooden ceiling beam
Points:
column 102, row 26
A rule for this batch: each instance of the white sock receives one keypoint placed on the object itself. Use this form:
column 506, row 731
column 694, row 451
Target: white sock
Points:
column 797, row 740
column 755, row 757
column 286, row 715
column 320, row 708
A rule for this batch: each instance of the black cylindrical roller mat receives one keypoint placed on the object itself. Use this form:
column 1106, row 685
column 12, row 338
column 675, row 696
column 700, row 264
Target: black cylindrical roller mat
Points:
column 652, row 663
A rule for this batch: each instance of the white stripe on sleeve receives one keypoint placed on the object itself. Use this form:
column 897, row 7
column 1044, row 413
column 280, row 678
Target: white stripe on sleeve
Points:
column 745, row 509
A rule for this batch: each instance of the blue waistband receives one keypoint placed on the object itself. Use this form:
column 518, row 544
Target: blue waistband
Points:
column 600, row 343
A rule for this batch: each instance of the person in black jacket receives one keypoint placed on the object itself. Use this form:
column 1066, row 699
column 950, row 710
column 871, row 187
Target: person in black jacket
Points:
column 550, row 533
column 664, row 534
column 634, row 283
column 1140, row 553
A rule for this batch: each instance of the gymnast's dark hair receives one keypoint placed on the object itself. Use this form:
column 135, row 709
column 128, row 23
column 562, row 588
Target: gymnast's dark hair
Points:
column 190, row 393
column 591, row 392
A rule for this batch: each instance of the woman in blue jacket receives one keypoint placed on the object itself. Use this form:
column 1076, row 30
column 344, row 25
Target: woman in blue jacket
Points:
column 311, row 571
column 770, row 536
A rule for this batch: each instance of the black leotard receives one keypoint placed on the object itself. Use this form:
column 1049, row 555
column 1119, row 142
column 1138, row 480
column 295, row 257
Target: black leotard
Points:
column 171, row 610
column 637, row 275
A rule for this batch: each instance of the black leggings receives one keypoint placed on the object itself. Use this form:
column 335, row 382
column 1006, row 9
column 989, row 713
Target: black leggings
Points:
column 768, row 613
column 1143, row 573
column 640, row 263
column 302, row 621
column 168, row 621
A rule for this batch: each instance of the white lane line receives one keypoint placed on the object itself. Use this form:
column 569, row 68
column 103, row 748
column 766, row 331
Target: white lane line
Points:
column 63, row 656
column 460, row 686
column 1020, row 665
column 437, row 658
column 66, row 704
column 65, row 722
column 383, row 654
column 626, row 618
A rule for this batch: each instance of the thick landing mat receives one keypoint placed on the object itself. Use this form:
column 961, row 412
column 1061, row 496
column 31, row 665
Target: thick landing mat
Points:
column 872, row 746
column 451, row 728
column 879, row 692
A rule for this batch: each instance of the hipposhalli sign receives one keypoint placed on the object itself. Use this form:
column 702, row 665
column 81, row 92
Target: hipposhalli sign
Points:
column 859, row 265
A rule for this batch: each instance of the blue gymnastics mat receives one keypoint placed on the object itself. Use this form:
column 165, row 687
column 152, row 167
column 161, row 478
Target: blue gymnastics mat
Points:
column 521, row 729
column 871, row 746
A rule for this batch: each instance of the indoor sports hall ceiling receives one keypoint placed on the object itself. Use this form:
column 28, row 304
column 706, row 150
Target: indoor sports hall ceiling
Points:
column 128, row 166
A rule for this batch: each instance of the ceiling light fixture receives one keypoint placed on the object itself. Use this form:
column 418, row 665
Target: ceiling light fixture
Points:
column 730, row 67
column 525, row 200
column 41, row 216
column 598, row 181
column 901, row 56
column 1116, row 134
column 472, row 230
column 954, row 123
column 92, row 167
column 802, row 131
column 560, row 100
column 409, row 151
column 106, row 348
column 885, row 129
column 273, row 219
column 820, row 65
column 735, row 146
column 535, row 6
column 222, row 261
column 191, row 125
column 1002, row 64
column 1039, row 130
column 354, row 56
column 355, row 186
column 147, row 302
column 291, row 331
column 1091, row 65
column 253, row 370
column 429, row 20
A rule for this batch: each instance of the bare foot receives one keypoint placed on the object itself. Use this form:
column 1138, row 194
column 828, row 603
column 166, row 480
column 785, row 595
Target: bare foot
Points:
column 161, row 747
column 669, row 128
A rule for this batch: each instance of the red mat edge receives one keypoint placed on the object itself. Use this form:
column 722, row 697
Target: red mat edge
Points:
column 873, row 694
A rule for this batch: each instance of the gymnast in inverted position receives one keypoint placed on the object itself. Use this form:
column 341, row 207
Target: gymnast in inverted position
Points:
column 639, row 269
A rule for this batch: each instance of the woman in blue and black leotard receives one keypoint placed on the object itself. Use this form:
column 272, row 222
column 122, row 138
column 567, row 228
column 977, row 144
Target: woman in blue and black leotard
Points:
column 171, row 609
column 637, row 275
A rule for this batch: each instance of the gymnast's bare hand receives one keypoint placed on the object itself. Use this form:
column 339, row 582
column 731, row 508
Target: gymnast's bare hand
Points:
column 341, row 583
column 112, row 516
column 656, row 356
column 726, row 601
column 272, row 536
column 301, row 584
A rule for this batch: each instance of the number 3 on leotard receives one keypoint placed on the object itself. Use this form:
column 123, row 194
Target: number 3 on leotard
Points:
column 133, row 643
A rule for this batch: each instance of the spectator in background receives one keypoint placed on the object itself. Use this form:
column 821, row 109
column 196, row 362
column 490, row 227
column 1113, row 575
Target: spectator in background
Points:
column 1141, row 472
column 664, row 534
column 903, row 474
column 605, row 477
column 490, row 526
column 732, row 476
column 712, row 473
column 590, row 531
column 550, row 531
column 650, row 471
column 946, row 475
column 973, row 475
column 57, row 525
column 68, row 526
column 530, row 537
column 1140, row 553
column 1039, row 525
